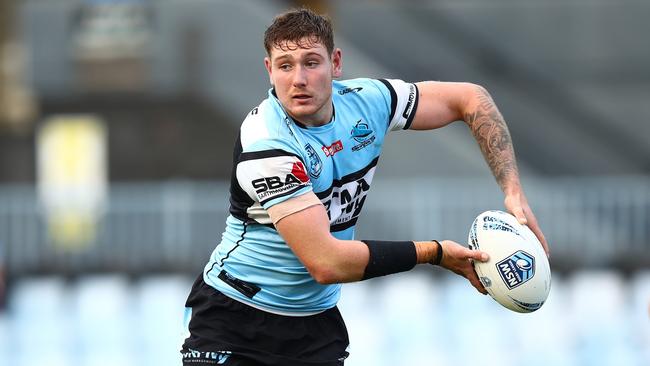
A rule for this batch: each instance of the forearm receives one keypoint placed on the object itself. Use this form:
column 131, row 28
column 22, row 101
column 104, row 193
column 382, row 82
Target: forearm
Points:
column 353, row 260
column 331, row 260
column 492, row 135
column 342, row 261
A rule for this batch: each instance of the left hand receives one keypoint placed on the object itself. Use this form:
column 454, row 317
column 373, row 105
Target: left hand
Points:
column 517, row 204
column 458, row 259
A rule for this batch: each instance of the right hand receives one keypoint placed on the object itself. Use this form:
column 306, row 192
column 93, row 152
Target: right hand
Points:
column 458, row 259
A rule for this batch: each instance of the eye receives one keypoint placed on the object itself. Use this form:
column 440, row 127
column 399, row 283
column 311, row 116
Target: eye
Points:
column 285, row 67
column 312, row 63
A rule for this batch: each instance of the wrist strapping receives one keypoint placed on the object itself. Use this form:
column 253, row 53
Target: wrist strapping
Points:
column 438, row 253
column 388, row 257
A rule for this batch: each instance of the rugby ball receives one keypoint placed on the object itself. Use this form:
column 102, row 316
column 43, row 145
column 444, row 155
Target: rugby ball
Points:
column 517, row 275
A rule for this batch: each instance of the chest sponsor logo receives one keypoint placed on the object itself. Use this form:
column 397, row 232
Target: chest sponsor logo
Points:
column 362, row 134
column 270, row 186
column 333, row 148
column 315, row 164
column 344, row 203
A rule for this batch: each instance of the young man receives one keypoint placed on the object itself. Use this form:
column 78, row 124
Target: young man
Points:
column 302, row 166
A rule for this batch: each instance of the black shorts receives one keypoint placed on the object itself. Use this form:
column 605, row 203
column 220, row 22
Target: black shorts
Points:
column 227, row 332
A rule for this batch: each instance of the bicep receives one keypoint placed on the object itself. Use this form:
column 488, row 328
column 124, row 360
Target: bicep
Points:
column 306, row 230
column 307, row 233
column 441, row 103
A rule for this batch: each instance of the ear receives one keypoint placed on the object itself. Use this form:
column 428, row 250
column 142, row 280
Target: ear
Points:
column 337, row 63
column 267, row 65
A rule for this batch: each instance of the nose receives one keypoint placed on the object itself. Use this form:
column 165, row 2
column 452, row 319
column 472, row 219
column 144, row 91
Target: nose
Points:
column 300, row 77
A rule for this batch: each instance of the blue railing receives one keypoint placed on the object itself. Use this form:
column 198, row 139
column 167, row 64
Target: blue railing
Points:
column 173, row 226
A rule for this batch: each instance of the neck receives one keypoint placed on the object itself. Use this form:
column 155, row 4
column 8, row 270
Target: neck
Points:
column 320, row 118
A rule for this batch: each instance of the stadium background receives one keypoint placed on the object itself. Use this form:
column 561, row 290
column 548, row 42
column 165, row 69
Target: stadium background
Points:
column 117, row 121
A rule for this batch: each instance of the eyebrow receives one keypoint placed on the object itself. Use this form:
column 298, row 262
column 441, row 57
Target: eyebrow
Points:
column 283, row 57
column 289, row 57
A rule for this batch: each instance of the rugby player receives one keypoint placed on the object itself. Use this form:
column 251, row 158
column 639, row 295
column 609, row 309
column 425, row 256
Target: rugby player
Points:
column 303, row 163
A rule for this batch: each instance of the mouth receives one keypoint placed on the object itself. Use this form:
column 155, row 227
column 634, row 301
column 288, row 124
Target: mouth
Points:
column 301, row 97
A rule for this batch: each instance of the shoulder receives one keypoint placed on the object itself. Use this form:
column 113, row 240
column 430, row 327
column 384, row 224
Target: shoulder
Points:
column 259, row 124
column 384, row 92
column 265, row 128
column 395, row 98
column 364, row 93
column 360, row 87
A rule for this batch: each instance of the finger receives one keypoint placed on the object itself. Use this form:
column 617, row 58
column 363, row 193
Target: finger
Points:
column 518, row 212
column 473, row 279
column 534, row 227
column 543, row 241
column 477, row 255
column 479, row 287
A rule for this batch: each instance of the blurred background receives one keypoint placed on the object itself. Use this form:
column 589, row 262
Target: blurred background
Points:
column 117, row 123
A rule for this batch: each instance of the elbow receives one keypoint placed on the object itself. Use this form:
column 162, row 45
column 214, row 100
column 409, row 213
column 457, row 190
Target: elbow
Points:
column 324, row 274
column 476, row 102
column 474, row 89
column 476, row 96
column 480, row 94
column 478, row 88
column 328, row 266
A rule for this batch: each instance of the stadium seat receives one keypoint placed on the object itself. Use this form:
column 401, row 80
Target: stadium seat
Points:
column 106, row 328
column 597, row 304
column 358, row 307
column 6, row 344
column 475, row 316
column 592, row 317
column 640, row 310
column 409, row 306
column 49, row 358
column 160, row 303
column 39, row 318
column 545, row 337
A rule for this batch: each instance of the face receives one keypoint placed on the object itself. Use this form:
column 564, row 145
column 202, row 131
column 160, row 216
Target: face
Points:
column 302, row 78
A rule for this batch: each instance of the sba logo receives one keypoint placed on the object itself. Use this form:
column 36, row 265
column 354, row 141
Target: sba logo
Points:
column 517, row 269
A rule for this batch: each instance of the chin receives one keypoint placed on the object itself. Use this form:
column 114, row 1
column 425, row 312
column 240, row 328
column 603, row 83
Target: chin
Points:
column 303, row 111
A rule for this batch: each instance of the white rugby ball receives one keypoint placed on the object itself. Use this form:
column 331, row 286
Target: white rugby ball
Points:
column 517, row 275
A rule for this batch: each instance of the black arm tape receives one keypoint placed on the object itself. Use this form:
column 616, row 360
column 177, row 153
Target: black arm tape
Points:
column 387, row 257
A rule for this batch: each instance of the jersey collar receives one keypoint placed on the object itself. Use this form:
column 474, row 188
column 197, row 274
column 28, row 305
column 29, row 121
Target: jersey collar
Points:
column 273, row 94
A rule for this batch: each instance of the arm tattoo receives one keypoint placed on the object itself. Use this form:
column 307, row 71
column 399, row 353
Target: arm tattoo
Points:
column 491, row 133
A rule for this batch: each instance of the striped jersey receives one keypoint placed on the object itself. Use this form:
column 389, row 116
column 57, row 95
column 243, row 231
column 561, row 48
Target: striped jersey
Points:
column 276, row 158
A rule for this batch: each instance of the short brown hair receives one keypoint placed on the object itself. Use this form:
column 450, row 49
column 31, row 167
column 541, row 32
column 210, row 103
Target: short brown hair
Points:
column 302, row 27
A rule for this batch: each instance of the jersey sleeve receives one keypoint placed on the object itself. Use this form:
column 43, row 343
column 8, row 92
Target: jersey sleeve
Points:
column 272, row 176
column 402, row 98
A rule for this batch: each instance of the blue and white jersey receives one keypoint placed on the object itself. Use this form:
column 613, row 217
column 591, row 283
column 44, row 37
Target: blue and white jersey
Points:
column 277, row 158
